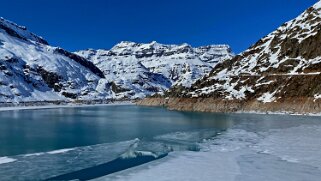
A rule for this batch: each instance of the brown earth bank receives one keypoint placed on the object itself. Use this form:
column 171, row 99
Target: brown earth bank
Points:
column 302, row 105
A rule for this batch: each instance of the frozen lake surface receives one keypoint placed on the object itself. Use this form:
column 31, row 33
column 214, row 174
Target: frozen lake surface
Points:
column 113, row 142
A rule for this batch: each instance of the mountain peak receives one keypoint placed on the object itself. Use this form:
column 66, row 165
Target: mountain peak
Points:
column 20, row 32
column 125, row 44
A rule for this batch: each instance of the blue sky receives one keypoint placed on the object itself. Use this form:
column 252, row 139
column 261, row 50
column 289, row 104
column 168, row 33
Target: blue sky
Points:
column 82, row 24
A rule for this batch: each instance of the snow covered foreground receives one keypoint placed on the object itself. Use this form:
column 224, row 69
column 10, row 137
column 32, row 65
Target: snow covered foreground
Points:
column 276, row 155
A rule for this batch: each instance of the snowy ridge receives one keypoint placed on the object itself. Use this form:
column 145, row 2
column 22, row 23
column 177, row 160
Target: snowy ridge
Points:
column 31, row 70
column 138, row 69
column 19, row 31
column 273, row 68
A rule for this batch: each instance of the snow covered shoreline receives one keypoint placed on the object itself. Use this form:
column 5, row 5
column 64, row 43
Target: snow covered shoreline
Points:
column 66, row 105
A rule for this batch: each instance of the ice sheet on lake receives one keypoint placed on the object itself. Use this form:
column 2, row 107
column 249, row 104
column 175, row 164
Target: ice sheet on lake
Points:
column 276, row 155
column 195, row 136
column 299, row 145
column 40, row 166
column 60, row 151
column 4, row 160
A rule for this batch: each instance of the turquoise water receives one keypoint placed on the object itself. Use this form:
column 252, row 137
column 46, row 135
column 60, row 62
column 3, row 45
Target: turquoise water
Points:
column 30, row 131
column 99, row 135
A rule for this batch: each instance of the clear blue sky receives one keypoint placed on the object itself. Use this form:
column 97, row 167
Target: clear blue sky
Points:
column 82, row 24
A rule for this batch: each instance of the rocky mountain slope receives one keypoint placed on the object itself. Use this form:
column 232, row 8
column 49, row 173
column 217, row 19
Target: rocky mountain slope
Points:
column 32, row 70
column 137, row 69
column 281, row 72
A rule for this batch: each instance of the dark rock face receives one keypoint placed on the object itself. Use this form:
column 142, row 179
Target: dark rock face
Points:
column 309, row 48
column 116, row 88
column 51, row 78
column 69, row 95
column 82, row 61
column 12, row 32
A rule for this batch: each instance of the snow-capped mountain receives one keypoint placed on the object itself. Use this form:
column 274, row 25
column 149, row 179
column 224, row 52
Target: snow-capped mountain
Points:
column 31, row 70
column 153, row 67
column 284, row 66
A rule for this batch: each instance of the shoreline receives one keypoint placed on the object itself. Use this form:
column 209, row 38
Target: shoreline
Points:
column 67, row 105
column 294, row 107
column 149, row 102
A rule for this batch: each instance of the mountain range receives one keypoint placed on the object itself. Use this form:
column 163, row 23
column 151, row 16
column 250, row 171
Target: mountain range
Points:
column 137, row 70
column 33, row 71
